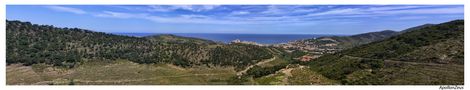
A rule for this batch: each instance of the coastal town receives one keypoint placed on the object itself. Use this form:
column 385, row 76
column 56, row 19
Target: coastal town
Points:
column 314, row 47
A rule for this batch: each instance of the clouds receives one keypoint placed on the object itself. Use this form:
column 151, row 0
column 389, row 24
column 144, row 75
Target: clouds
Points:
column 111, row 14
column 240, row 13
column 391, row 10
column 411, row 18
column 305, row 10
column 265, row 14
column 198, row 19
column 346, row 11
column 67, row 9
column 273, row 10
column 282, row 19
column 193, row 8
column 450, row 10
column 288, row 9
column 387, row 8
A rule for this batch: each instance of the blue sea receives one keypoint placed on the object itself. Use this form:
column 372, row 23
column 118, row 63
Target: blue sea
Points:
column 227, row 38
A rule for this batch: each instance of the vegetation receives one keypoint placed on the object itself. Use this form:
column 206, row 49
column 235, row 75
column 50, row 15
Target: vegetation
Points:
column 31, row 44
column 289, row 57
column 304, row 76
column 354, row 40
column 424, row 52
column 44, row 54
column 258, row 71
column 283, row 60
column 274, row 79
column 121, row 72
column 169, row 38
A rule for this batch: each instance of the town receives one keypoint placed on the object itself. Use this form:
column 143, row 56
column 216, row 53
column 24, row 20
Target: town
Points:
column 314, row 47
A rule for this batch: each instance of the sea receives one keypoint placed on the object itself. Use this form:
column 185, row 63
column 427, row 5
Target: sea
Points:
column 227, row 38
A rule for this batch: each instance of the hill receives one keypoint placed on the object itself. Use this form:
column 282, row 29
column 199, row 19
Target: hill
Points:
column 364, row 38
column 354, row 40
column 416, row 28
column 428, row 55
column 170, row 38
column 29, row 44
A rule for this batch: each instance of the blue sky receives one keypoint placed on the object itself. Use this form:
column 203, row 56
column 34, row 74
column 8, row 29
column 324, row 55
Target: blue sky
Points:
column 252, row 19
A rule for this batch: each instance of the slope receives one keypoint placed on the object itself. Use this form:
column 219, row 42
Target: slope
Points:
column 31, row 44
column 354, row 40
column 429, row 55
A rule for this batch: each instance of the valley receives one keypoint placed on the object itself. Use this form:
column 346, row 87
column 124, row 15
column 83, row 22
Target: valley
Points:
column 48, row 55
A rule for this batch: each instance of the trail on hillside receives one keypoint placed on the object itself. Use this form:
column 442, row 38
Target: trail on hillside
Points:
column 287, row 73
column 251, row 66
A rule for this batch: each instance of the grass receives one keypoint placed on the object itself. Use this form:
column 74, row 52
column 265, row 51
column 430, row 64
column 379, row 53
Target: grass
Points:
column 425, row 75
column 18, row 75
column 396, row 73
column 277, row 61
column 304, row 76
column 275, row 79
column 121, row 72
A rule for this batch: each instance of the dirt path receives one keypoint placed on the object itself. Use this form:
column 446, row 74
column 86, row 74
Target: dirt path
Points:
column 287, row 73
column 251, row 66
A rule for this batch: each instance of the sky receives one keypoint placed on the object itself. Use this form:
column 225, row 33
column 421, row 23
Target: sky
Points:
column 244, row 19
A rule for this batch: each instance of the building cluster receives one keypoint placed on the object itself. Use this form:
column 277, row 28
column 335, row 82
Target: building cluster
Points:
column 310, row 46
column 315, row 48
column 246, row 42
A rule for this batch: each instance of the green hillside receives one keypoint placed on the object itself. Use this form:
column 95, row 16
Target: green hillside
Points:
column 179, row 39
column 355, row 40
column 429, row 55
column 29, row 44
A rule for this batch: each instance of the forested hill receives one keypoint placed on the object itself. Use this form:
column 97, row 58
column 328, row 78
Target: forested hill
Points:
column 364, row 38
column 178, row 39
column 428, row 55
column 416, row 28
column 356, row 40
column 29, row 43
